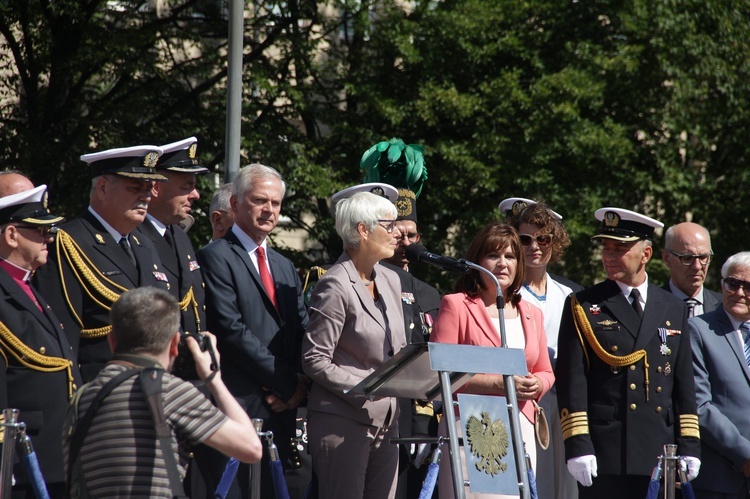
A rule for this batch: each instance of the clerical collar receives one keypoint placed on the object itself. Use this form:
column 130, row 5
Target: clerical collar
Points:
column 160, row 227
column 16, row 272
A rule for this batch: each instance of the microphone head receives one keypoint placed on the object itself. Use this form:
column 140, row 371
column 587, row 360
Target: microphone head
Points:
column 413, row 252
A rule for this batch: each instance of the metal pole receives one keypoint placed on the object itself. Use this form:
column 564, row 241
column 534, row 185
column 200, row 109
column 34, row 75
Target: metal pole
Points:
column 670, row 469
column 234, row 88
column 10, row 430
column 510, row 393
column 255, row 467
column 449, row 414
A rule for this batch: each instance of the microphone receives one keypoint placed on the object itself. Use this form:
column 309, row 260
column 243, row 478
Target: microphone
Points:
column 417, row 253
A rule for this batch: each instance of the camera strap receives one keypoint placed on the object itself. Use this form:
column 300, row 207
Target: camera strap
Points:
column 151, row 385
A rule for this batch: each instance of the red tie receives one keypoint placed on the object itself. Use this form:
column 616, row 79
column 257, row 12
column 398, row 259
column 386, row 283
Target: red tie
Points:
column 265, row 276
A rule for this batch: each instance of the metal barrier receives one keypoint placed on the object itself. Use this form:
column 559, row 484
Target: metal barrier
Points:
column 667, row 469
column 14, row 435
column 277, row 469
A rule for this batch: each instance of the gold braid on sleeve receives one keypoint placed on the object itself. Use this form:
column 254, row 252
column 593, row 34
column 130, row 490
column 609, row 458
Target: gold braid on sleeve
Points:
column 583, row 327
column 27, row 357
column 103, row 291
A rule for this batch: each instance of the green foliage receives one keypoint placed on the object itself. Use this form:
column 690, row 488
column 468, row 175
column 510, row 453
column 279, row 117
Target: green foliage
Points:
column 642, row 105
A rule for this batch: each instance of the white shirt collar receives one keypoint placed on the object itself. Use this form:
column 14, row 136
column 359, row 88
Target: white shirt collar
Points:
column 642, row 289
column 111, row 230
column 679, row 294
column 246, row 241
column 160, row 227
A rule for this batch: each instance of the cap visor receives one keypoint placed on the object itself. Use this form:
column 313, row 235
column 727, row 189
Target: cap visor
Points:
column 143, row 176
column 624, row 239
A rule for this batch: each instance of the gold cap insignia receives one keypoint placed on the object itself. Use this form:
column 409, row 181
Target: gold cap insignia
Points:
column 518, row 207
column 149, row 161
column 378, row 191
column 193, row 149
column 611, row 219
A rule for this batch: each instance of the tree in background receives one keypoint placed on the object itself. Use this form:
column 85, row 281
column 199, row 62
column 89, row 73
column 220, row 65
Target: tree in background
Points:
column 636, row 104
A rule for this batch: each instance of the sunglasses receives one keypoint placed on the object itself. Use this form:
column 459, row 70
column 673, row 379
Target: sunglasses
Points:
column 733, row 285
column 688, row 259
column 542, row 240
column 43, row 230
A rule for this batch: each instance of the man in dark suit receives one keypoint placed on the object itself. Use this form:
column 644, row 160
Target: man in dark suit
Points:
column 624, row 374
column 96, row 258
column 687, row 253
column 255, row 308
column 171, row 204
column 722, row 381
column 39, row 371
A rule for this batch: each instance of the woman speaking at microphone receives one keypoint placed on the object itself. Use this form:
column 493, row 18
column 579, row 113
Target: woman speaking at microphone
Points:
column 356, row 324
column 470, row 317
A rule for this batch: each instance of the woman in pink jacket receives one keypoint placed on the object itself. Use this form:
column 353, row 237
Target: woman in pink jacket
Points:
column 470, row 317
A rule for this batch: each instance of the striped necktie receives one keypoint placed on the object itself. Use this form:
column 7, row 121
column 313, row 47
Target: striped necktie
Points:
column 745, row 330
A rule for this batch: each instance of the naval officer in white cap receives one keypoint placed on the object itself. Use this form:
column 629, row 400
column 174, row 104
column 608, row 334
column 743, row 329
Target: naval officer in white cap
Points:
column 624, row 372
column 96, row 257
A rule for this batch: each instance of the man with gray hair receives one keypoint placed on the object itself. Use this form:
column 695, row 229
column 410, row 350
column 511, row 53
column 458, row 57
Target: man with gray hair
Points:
column 117, row 454
column 220, row 211
column 255, row 307
column 687, row 253
column 721, row 355
column 98, row 256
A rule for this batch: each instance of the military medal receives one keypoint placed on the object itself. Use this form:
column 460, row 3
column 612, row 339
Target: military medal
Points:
column 664, row 349
column 667, row 369
column 595, row 309
column 407, row 298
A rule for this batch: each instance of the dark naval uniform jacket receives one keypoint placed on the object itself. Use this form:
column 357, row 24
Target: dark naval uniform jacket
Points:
column 86, row 272
column 183, row 272
column 41, row 397
column 624, row 409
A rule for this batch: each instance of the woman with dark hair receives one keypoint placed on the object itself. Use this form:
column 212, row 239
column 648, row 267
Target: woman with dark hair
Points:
column 471, row 317
column 544, row 241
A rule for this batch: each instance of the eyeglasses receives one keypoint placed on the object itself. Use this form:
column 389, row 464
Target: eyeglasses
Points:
column 733, row 285
column 412, row 237
column 389, row 225
column 542, row 240
column 688, row 259
column 44, row 230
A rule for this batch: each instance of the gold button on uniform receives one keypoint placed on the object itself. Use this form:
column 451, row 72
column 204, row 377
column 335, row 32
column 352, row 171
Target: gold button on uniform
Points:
column 614, row 348
column 658, row 389
column 632, row 386
column 658, row 369
column 42, row 350
column 658, row 409
column 632, row 407
column 632, row 368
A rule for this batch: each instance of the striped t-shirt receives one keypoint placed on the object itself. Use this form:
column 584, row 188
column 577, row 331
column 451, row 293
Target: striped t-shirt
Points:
column 121, row 455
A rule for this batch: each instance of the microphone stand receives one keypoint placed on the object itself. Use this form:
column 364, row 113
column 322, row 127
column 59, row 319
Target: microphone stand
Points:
column 510, row 393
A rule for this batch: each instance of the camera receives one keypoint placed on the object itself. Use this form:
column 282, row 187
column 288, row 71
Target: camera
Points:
column 184, row 364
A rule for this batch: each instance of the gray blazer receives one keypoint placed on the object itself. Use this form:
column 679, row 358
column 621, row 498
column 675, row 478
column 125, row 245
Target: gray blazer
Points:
column 347, row 339
column 722, row 385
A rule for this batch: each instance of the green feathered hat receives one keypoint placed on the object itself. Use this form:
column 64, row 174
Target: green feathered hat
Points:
column 395, row 163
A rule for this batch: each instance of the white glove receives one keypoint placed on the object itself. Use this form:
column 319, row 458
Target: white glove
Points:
column 583, row 468
column 691, row 466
